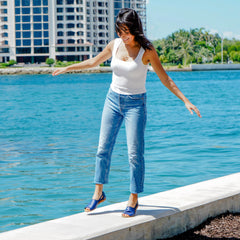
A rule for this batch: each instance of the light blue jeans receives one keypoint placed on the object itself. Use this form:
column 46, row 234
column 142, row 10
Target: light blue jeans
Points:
column 132, row 109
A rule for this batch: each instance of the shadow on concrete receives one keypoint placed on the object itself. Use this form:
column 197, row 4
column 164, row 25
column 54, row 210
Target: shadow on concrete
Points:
column 155, row 211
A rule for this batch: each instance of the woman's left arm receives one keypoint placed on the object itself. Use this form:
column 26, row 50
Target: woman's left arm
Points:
column 151, row 57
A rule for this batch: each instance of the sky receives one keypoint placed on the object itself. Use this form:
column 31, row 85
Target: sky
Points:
column 217, row 16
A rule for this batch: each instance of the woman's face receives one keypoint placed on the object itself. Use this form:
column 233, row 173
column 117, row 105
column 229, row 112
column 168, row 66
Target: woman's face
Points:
column 125, row 35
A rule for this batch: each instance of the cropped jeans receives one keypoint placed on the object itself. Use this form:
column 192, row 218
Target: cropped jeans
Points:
column 131, row 109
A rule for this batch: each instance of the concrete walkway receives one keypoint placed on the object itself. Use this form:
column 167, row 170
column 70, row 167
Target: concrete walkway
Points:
column 159, row 215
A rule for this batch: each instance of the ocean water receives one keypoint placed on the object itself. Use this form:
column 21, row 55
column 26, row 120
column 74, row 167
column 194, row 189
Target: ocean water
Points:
column 49, row 130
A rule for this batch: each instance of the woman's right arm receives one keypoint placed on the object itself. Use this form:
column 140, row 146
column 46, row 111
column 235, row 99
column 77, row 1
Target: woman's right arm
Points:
column 92, row 62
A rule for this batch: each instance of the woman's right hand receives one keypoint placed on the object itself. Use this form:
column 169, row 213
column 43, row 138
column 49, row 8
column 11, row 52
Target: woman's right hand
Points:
column 60, row 71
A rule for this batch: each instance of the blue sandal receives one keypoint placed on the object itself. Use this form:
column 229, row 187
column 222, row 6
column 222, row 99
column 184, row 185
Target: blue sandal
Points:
column 93, row 203
column 130, row 211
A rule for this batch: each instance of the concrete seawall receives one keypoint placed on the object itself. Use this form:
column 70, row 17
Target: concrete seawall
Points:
column 159, row 215
column 210, row 67
column 49, row 70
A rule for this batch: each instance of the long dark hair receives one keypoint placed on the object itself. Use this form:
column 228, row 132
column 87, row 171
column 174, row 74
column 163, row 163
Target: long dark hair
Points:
column 129, row 18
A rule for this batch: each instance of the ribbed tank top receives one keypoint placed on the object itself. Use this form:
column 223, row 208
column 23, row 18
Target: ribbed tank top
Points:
column 128, row 77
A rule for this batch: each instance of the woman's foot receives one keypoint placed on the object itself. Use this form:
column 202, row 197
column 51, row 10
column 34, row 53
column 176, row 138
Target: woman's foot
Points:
column 98, row 197
column 132, row 206
column 94, row 203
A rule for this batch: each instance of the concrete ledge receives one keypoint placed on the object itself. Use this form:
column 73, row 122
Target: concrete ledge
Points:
column 159, row 215
column 209, row 67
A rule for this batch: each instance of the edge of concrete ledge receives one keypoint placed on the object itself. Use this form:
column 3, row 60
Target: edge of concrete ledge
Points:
column 159, row 216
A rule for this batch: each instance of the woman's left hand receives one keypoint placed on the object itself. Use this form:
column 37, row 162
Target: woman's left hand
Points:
column 191, row 107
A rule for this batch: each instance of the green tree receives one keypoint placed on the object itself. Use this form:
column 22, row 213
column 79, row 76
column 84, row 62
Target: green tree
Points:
column 50, row 61
column 218, row 57
column 12, row 62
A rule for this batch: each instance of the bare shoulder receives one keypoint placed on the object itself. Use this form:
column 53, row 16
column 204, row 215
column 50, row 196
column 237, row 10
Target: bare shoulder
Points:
column 110, row 45
column 149, row 55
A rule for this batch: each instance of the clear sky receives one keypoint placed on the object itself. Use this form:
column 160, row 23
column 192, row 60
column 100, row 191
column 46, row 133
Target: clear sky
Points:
column 167, row 16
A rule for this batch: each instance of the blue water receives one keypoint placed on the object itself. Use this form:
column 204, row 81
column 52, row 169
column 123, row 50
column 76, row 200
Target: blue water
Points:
column 49, row 134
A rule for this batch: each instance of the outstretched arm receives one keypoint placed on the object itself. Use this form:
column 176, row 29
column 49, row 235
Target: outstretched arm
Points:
column 151, row 56
column 93, row 62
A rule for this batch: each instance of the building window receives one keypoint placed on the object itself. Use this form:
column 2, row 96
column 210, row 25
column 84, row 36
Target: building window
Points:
column 17, row 3
column 18, row 42
column 41, row 50
column 36, row 10
column 70, row 25
column 70, row 33
column 25, row 18
column 59, row 2
column 80, row 25
column 17, row 10
column 71, row 41
column 25, row 3
column 46, row 34
column 4, row 19
column 17, row 19
column 37, row 26
column 71, row 17
column 45, row 18
column 80, row 33
column 45, row 26
column 25, row 10
column 60, row 41
column 37, row 42
column 17, row 27
column 101, row 26
column 102, row 42
column 23, row 50
column 60, row 18
column 60, row 34
column 80, row 17
column 18, row 34
column 59, row 10
column 26, row 26
column 37, row 34
column 70, row 10
column 26, row 34
column 26, row 42
column 70, row 1
column 45, row 10
column 71, row 49
column 45, row 2
column 4, row 50
column 46, row 42
column 79, row 9
column 5, row 34
column 59, row 25
column 80, row 49
column 37, row 18
column 37, row 3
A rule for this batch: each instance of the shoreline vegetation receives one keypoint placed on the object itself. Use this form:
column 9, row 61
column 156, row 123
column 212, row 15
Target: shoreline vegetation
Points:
column 197, row 46
column 107, row 69
column 180, row 51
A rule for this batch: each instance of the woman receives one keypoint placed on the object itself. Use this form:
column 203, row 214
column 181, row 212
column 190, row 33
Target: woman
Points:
column 126, row 100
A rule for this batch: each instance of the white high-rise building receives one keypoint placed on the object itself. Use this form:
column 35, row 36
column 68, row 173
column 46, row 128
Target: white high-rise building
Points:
column 66, row 30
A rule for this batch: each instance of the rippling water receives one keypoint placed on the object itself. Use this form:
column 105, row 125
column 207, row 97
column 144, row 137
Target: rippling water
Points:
column 49, row 133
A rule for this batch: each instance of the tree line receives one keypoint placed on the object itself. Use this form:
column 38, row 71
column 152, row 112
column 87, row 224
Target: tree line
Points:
column 196, row 46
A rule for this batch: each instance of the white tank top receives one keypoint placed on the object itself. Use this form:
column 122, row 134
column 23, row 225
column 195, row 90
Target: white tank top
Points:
column 128, row 77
